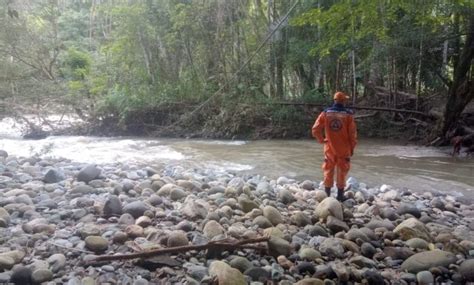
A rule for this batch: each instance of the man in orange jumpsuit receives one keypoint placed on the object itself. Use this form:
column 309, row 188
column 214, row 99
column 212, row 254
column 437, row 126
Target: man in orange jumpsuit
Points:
column 339, row 139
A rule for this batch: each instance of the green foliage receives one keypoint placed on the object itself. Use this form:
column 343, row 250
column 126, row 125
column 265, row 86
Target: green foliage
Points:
column 77, row 65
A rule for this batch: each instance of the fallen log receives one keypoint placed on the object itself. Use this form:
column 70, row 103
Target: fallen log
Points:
column 382, row 109
column 223, row 245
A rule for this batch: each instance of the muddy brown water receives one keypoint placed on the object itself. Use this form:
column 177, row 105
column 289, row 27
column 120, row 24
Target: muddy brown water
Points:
column 375, row 162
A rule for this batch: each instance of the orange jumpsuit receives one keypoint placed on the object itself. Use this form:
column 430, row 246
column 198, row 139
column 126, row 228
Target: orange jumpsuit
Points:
column 340, row 139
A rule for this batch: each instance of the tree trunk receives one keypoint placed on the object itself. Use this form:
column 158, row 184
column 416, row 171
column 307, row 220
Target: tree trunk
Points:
column 461, row 91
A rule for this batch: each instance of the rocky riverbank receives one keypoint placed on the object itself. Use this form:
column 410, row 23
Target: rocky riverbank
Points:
column 56, row 216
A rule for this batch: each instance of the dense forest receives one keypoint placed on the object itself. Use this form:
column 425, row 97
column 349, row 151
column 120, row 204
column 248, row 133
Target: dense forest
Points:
column 240, row 68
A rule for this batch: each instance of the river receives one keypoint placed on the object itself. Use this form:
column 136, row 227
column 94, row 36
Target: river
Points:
column 375, row 162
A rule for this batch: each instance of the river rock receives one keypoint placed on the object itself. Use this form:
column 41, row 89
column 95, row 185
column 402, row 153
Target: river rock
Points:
column 82, row 190
column 425, row 278
column 3, row 153
column 354, row 234
column 412, row 228
column 57, row 262
column 54, row 176
column 363, row 262
column 300, row 219
column 6, row 262
column 367, row 250
column 409, row 208
column 398, row 252
column 310, row 281
column 16, row 255
column 240, row 263
column 286, row 197
column 336, row 225
column 278, row 246
column 126, row 219
column 213, row 229
column 134, row 231
column 378, row 223
column 225, row 274
column 194, row 208
column 88, row 173
column 4, row 218
column 96, row 243
column 417, row 243
column 308, row 253
column 273, row 215
column 136, row 208
column 21, row 275
column 177, row 194
column 112, row 207
column 332, row 247
column 257, row 274
column 247, row 205
column 262, row 222
column 391, row 195
column 329, row 207
column 177, row 238
column 342, row 271
column 41, row 275
column 427, row 259
column 467, row 270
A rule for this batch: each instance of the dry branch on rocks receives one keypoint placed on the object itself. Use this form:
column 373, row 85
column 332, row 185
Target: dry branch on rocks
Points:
column 222, row 245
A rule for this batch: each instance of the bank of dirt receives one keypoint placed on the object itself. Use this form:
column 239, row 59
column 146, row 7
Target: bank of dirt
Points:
column 245, row 121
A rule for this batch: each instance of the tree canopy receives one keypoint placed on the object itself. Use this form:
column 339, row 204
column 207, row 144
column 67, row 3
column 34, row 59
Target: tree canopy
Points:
column 103, row 57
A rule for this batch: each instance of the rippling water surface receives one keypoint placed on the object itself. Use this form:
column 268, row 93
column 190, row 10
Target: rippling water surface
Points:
column 375, row 162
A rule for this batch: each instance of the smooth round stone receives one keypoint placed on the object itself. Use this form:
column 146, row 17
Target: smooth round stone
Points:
column 112, row 207
column 417, row 243
column 306, row 268
column 467, row 270
column 120, row 237
column 88, row 281
column 143, row 221
column 240, row 263
column 368, row 250
column 41, row 275
column 257, row 274
column 21, row 275
column 262, row 222
column 89, row 230
column 309, row 254
column 126, row 219
column 134, row 231
column 212, row 229
column 136, row 208
column 6, row 262
column 108, row 268
column 96, row 243
column 185, row 226
column 424, row 278
column 57, row 262
column 177, row 238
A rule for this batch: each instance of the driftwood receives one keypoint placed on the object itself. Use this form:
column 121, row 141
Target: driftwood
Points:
column 382, row 109
column 223, row 245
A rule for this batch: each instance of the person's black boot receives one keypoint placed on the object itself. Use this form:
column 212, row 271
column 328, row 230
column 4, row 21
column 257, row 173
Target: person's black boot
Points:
column 340, row 195
column 328, row 191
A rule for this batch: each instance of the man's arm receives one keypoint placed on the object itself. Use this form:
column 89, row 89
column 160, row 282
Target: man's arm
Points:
column 352, row 134
column 318, row 127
